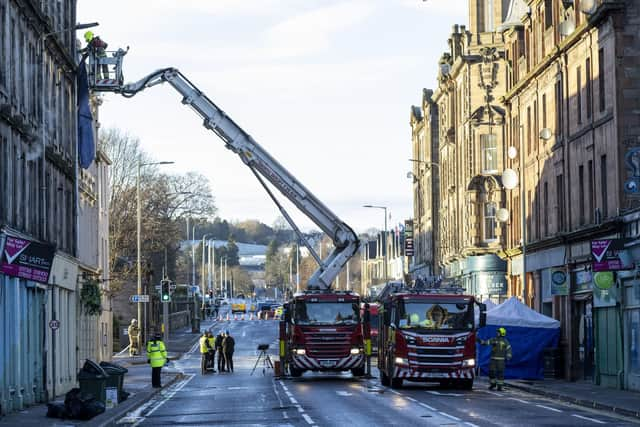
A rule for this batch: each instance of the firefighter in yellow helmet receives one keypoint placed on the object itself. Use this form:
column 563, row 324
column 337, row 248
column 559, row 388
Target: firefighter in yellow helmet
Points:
column 500, row 353
column 97, row 48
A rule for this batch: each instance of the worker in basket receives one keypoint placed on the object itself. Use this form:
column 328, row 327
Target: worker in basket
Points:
column 97, row 48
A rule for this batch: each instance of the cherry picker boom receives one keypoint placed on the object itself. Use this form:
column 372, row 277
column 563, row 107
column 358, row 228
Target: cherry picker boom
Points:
column 261, row 163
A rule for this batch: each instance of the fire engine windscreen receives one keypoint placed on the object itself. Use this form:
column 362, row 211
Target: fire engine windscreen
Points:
column 456, row 316
column 326, row 313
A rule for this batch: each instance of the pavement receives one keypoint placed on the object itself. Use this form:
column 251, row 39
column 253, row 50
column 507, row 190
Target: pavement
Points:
column 584, row 393
column 137, row 382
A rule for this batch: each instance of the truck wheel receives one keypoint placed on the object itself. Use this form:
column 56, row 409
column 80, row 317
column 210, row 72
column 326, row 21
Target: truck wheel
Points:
column 384, row 379
column 358, row 372
column 295, row 372
column 466, row 384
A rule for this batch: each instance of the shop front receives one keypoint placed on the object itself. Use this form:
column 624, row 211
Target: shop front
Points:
column 485, row 277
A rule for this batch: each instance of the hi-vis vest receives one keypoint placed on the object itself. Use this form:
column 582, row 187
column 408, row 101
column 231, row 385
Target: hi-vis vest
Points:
column 156, row 353
column 203, row 344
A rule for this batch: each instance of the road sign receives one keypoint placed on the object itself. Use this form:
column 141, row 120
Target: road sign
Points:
column 172, row 287
column 194, row 289
column 54, row 324
column 139, row 298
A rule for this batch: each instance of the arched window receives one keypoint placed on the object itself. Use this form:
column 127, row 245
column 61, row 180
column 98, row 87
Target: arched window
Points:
column 489, row 222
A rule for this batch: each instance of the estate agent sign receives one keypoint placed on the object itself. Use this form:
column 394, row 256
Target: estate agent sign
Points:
column 26, row 259
column 610, row 255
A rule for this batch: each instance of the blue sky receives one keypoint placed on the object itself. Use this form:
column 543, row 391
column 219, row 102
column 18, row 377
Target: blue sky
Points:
column 325, row 86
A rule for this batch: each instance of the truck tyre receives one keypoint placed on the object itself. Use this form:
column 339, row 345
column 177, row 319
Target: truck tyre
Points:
column 465, row 384
column 358, row 372
column 384, row 379
column 295, row 372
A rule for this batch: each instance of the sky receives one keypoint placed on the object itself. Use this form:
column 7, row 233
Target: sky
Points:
column 325, row 86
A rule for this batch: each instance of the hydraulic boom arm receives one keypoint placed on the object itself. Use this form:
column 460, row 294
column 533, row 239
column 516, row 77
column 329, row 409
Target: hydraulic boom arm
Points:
column 264, row 166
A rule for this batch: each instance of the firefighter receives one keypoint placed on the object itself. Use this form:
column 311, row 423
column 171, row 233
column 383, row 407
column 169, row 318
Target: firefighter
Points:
column 228, row 345
column 97, row 47
column 204, row 353
column 134, row 338
column 500, row 353
column 211, row 346
column 157, row 357
column 218, row 347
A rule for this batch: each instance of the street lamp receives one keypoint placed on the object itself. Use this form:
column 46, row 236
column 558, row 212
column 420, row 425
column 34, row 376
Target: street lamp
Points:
column 138, row 239
column 202, row 272
column 385, row 237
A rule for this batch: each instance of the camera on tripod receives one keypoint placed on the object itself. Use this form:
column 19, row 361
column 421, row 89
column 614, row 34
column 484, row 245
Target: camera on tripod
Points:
column 263, row 347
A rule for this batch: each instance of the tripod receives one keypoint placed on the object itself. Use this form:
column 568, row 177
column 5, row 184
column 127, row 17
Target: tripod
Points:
column 266, row 362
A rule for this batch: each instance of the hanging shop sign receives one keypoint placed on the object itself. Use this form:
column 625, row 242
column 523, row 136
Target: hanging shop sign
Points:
column 610, row 255
column 408, row 237
column 559, row 281
column 27, row 259
column 604, row 289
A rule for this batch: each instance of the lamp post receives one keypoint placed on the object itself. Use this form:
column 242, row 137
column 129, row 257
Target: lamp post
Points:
column 138, row 238
column 202, row 285
column 385, row 237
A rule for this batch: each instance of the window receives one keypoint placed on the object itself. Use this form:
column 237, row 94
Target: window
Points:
column 528, row 130
column 579, row 95
column 489, row 221
column 559, row 101
column 560, row 201
column 590, row 190
column 489, row 148
column 529, row 216
column 601, row 88
column 546, row 209
column 587, row 81
column 535, row 131
column 581, row 194
column 544, row 111
column 603, row 184
column 3, row 54
column 548, row 13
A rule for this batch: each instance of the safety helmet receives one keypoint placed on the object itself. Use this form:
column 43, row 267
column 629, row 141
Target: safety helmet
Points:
column 502, row 332
column 134, row 320
column 88, row 36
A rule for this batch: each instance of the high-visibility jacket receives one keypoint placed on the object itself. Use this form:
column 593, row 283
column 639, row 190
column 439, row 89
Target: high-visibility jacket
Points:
column 156, row 353
column 500, row 348
column 212, row 343
column 203, row 344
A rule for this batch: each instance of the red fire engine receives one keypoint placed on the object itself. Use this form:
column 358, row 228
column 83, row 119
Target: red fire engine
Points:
column 428, row 335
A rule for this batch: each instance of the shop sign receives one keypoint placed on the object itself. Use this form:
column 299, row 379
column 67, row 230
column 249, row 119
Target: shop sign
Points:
column 492, row 284
column 604, row 289
column 408, row 237
column 583, row 281
column 610, row 255
column 559, row 281
column 26, row 259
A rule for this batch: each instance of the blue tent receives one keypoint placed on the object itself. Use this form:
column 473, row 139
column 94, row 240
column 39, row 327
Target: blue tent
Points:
column 529, row 333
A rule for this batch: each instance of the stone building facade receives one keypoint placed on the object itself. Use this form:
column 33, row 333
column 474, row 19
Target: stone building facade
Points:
column 39, row 201
column 563, row 106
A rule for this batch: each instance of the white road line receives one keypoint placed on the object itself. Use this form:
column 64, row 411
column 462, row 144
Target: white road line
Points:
column 308, row 419
column 549, row 408
column 589, row 419
column 471, row 424
column 300, row 409
column 166, row 396
column 449, row 416
column 427, row 406
column 395, row 392
column 491, row 392
column 519, row 400
column 293, row 400
column 343, row 393
column 284, row 414
column 411, row 399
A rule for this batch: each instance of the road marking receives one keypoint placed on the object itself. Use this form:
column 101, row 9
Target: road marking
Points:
column 308, row 419
column 293, row 400
column 237, row 388
column 427, row 406
column 343, row 393
column 519, row 400
column 491, row 392
column 549, row 408
column 437, row 393
column 395, row 392
column 471, row 424
column 449, row 416
column 587, row 418
column 284, row 414
column 300, row 409
column 166, row 396
column 411, row 399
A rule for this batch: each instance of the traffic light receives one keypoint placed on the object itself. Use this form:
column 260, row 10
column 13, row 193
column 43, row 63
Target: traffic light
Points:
column 165, row 290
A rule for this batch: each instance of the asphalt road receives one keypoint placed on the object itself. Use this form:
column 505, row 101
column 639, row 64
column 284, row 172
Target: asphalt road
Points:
column 242, row 399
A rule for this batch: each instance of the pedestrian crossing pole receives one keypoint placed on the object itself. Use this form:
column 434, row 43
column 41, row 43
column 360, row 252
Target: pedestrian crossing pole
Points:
column 165, row 322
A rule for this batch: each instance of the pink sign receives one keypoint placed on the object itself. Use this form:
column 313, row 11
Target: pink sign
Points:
column 26, row 259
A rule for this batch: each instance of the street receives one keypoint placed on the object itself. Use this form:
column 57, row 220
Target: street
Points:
column 337, row 400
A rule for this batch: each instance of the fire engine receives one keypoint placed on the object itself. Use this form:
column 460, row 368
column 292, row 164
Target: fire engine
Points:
column 428, row 335
column 321, row 329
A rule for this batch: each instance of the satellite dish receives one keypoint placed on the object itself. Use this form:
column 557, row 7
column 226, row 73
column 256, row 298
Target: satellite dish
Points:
column 509, row 179
column 545, row 134
column 502, row 215
column 512, row 152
